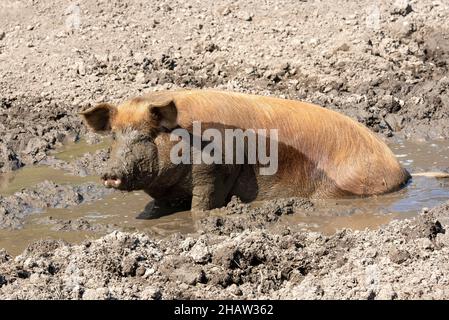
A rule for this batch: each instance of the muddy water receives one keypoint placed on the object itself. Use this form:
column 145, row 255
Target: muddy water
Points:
column 119, row 211
column 71, row 151
column 129, row 211
column 29, row 176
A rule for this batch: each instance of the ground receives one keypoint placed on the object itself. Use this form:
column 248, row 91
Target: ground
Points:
column 384, row 63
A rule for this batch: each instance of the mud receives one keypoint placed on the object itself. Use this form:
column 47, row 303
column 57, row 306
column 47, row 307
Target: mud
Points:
column 47, row 194
column 12, row 182
column 378, row 62
column 405, row 259
column 89, row 164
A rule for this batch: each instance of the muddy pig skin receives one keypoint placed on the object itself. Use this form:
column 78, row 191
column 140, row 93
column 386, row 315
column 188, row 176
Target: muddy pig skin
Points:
column 321, row 153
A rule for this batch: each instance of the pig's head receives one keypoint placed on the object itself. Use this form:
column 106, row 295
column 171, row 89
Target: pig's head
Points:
column 134, row 126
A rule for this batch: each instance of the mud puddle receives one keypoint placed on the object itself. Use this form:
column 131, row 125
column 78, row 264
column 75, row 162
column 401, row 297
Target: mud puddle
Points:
column 129, row 211
column 29, row 176
column 71, row 151
column 119, row 211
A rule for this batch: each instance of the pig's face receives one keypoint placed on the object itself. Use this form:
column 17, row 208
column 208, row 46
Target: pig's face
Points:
column 133, row 164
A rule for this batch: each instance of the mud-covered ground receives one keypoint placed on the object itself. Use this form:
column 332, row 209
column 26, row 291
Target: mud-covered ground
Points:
column 384, row 63
column 238, row 257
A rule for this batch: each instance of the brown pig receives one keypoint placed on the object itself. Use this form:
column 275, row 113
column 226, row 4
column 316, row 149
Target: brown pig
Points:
column 320, row 153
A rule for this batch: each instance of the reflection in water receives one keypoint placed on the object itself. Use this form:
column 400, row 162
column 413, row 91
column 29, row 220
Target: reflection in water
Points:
column 135, row 211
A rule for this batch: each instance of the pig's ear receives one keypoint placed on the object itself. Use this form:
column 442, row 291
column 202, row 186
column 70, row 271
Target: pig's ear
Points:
column 99, row 118
column 165, row 114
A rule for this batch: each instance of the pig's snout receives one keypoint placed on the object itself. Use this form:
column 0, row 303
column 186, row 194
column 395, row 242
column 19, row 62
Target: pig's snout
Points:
column 111, row 181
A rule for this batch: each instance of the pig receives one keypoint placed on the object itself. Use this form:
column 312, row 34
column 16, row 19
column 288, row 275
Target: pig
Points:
column 321, row 153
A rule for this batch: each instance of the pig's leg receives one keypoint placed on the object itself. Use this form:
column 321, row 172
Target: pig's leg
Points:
column 172, row 197
column 246, row 185
column 211, row 185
